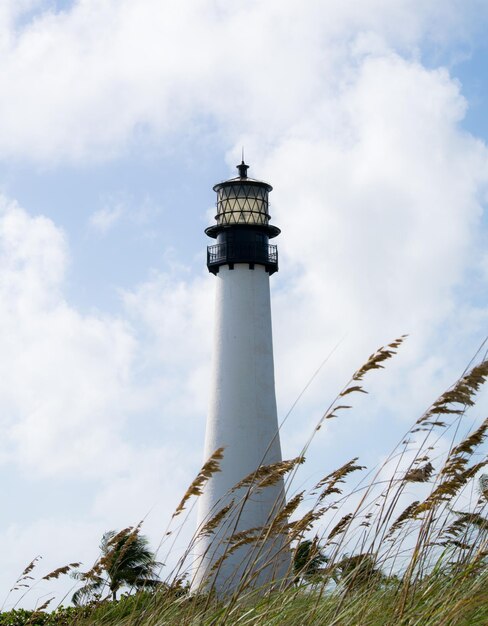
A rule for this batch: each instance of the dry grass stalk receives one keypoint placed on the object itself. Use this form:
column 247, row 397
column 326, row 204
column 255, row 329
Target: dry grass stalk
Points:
column 465, row 520
column 44, row 605
column 209, row 468
column 449, row 488
column 461, row 395
column 454, row 475
column 406, row 514
column 456, row 461
column 118, row 545
column 38, row 613
column 332, row 413
column 352, row 389
column 267, row 475
column 341, row 526
column 290, row 507
column 92, row 574
column 30, row 567
column 236, row 541
column 376, row 360
column 112, row 556
column 60, row 571
column 249, row 533
column 420, row 474
column 328, row 484
column 297, row 528
column 208, row 528
column 21, row 581
column 113, row 541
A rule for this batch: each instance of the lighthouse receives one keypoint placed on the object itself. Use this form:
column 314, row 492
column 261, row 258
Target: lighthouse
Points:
column 242, row 416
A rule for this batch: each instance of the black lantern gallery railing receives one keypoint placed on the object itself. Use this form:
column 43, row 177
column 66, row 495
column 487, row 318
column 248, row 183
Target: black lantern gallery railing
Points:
column 230, row 252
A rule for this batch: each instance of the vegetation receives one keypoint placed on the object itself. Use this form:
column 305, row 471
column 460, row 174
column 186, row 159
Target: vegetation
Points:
column 408, row 546
column 307, row 561
column 125, row 560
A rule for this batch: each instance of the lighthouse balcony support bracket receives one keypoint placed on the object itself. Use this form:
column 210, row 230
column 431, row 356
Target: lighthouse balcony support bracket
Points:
column 251, row 253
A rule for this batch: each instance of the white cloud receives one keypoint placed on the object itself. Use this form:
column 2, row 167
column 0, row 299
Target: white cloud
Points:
column 123, row 209
column 84, row 83
column 379, row 197
column 177, row 325
column 105, row 218
column 62, row 374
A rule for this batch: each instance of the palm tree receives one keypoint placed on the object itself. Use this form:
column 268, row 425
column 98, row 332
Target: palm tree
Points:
column 125, row 560
column 308, row 559
column 357, row 571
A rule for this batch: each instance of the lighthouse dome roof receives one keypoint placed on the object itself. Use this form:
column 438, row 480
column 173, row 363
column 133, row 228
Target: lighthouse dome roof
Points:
column 243, row 179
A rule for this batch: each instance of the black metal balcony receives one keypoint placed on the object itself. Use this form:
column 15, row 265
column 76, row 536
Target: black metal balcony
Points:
column 229, row 253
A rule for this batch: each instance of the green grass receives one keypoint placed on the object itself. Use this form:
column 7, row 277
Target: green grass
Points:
column 439, row 600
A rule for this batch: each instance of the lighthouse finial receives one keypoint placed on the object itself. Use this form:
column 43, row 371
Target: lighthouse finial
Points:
column 242, row 168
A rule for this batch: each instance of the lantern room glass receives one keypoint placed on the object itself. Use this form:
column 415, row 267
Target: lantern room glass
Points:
column 242, row 204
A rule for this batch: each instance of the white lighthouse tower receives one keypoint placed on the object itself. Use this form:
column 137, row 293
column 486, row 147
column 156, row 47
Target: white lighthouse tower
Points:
column 242, row 416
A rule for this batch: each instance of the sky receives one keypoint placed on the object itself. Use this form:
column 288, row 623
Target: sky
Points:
column 116, row 119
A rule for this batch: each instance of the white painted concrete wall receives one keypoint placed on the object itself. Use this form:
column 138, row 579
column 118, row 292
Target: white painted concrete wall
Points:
column 242, row 417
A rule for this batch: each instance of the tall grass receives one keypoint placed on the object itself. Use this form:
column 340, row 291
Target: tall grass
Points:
column 406, row 544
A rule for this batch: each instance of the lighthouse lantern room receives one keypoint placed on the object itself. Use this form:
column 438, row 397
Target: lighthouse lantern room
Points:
column 242, row 226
